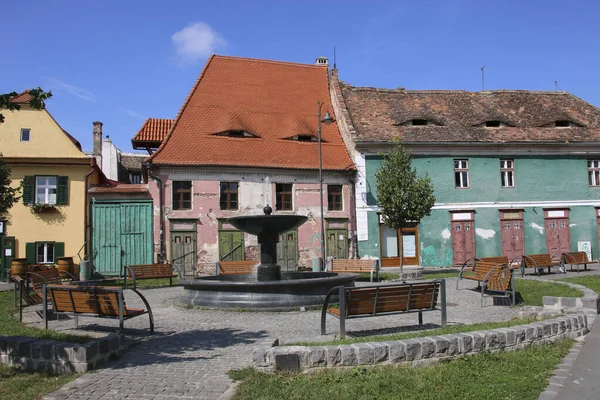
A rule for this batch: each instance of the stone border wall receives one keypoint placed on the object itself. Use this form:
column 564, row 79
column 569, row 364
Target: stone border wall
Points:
column 43, row 355
column 270, row 356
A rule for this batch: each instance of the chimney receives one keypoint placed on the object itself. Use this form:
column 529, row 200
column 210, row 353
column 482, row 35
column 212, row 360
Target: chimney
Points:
column 97, row 139
column 322, row 61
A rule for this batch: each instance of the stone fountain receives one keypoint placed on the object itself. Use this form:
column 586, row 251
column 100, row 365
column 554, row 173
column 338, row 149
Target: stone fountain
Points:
column 269, row 288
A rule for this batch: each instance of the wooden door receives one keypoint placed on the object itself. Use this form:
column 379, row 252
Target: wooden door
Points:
column 183, row 252
column 231, row 245
column 410, row 246
column 558, row 239
column 337, row 243
column 287, row 250
column 136, row 233
column 107, row 254
column 512, row 238
column 463, row 241
column 7, row 253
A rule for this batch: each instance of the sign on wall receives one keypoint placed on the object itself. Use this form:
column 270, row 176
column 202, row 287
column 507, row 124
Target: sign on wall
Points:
column 587, row 247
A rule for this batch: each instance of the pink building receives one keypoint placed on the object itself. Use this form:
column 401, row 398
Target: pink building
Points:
column 246, row 136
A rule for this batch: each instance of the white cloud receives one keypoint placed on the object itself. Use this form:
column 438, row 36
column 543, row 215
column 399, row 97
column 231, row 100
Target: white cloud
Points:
column 132, row 113
column 58, row 85
column 195, row 41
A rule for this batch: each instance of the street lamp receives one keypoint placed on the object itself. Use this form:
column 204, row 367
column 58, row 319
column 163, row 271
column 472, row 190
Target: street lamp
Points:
column 327, row 119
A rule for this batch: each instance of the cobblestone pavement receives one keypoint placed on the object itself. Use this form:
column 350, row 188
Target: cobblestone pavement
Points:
column 192, row 349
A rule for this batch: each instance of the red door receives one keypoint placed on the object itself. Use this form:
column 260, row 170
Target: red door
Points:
column 558, row 239
column 463, row 241
column 512, row 238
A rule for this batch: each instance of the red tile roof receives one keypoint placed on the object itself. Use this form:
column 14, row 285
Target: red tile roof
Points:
column 153, row 131
column 121, row 188
column 22, row 98
column 269, row 99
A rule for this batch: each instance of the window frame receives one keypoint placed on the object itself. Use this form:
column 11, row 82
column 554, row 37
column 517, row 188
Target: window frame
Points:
column 23, row 130
column 47, row 187
column 135, row 176
column 463, row 171
column 594, row 173
column 180, row 192
column 46, row 246
column 333, row 196
column 507, row 172
column 280, row 197
column 225, row 196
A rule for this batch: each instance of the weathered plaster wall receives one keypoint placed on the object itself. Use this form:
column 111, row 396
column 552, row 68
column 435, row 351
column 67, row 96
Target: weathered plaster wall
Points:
column 541, row 182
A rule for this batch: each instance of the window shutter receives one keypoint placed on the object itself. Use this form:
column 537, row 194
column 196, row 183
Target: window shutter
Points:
column 59, row 250
column 62, row 190
column 30, row 253
column 28, row 189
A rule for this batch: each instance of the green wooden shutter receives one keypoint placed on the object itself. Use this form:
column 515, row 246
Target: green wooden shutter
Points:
column 62, row 190
column 30, row 253
column 59, row 250
column 28, row 189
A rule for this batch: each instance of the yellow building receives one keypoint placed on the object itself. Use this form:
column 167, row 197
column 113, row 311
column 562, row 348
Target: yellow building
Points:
column 49, row 220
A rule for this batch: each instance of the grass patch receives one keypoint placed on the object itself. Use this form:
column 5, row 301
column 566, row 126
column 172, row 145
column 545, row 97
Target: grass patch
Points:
column 441, row 275
column 383, row 276
column 20, row 385
column 533, row 291
column 482, row 326
column 11, row 326
column 143, row 283
column 591, row 282
column 513, row 375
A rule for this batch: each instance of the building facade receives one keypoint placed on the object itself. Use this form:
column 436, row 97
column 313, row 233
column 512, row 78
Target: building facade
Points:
column 49, row 221
column 247, row 136
column 514, row 172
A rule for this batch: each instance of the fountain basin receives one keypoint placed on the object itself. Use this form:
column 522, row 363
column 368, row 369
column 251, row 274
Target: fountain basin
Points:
column 294, row 290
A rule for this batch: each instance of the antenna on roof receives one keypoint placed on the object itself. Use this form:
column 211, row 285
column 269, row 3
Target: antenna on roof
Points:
column 482, row 78
column 334, row 59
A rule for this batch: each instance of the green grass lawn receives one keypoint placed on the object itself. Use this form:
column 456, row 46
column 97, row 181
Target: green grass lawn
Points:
column 591, row 282
column 143, row 283
column 383, row 276
column 440, row 275
column 519, row 375
column 11, row 326
column 20, row 385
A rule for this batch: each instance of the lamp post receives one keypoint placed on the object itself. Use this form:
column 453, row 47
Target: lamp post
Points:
column 327, row 119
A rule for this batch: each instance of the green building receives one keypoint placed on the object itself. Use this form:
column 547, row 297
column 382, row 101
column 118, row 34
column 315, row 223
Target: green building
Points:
column 514, row 172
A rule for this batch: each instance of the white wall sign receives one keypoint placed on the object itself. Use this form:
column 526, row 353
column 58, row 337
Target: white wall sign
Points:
column 461, row 216
column 556, row 213
column 587, row 247
column 8, row 252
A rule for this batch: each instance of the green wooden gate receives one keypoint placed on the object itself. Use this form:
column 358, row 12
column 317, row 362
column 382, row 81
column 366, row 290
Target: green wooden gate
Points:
column 121, row 235
column 231, row 245
column 287, row 250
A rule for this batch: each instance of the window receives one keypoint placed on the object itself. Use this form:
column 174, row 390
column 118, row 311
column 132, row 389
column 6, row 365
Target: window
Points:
column 182, row 195
column 461, row 174
column 492, row 124
column 229, row 196
column 45, row 189
column 594, row 172
column 44, row 253
column 25, row 134
column 419, row 122
column 507, row 173
column 283, row 196
column 562, row 124
column 135, row 177
column 334, row 198
column 305, row 138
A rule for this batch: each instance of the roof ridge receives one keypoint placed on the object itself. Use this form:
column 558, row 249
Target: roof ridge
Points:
column 455, row 91
column 270, row 61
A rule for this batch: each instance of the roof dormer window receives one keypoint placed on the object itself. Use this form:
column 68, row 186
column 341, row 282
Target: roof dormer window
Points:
column 236, row 133
column 563, row 123
column 419, row 122
column 305, row 138
column 493, row 124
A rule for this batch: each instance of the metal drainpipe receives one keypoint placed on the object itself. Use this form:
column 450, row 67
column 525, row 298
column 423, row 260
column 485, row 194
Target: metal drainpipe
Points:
column 161, row 257
column 352, row 179
column 86, row 207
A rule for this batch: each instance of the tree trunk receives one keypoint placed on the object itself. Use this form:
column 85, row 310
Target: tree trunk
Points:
column 401, row 249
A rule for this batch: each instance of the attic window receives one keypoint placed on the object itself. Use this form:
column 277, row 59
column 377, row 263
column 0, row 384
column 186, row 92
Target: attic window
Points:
column 419, row 122
column 305, row 138
column 493, row 124
column 236, row 133
column 563, row 123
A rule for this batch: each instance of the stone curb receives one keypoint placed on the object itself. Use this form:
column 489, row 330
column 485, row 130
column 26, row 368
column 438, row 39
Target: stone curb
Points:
column 57, row 358
column 417, row 351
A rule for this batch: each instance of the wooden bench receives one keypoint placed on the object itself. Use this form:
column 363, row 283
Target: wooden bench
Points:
column 356, row 266
column 539, row 262
column 491, row 276
column 575, row 258
column 236, row 267
column 372, row 301
column 29, row 289
column 149, row 271
column 469, row 265
column 99, row 301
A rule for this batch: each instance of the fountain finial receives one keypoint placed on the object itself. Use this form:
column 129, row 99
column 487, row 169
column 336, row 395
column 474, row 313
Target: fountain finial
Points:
column 267, row 210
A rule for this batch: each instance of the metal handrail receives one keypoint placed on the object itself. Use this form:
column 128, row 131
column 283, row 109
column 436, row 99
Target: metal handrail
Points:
column 232, row 250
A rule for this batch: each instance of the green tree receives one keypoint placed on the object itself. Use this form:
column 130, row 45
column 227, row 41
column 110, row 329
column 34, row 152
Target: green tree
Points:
column 403, row 196
column 8, row 194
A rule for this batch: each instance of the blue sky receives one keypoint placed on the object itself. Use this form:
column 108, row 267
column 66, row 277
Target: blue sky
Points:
column 122, row 61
